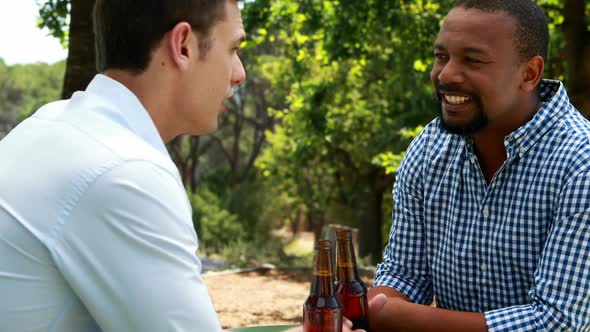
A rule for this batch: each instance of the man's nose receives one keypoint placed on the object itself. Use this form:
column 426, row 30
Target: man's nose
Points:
column 238, row 72
column 451, row 72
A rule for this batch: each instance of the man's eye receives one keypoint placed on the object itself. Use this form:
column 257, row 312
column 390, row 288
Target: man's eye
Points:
column 473, row 60
column 440, row 56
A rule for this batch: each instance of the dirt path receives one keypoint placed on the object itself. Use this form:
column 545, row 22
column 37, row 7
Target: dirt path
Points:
column 261, row 298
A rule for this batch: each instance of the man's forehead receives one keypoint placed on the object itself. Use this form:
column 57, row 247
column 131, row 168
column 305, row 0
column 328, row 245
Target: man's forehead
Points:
column 476, row 27
column 469, row 18
column 237, row 31
column 233, row 17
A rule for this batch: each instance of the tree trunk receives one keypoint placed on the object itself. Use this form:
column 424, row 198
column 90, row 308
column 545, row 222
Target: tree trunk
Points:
column 187, row 162
column 81, row 63
column 195, row 155
column 577, row 48
column 316, row 221
column 370, row 227
column 371, row 216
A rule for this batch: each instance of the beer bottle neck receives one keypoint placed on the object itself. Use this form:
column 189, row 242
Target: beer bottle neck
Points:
column 346, row 261
column 322, row 280
column 322, row 285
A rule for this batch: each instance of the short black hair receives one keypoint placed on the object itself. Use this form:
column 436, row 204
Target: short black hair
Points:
column 532, row 31
column 127, row 31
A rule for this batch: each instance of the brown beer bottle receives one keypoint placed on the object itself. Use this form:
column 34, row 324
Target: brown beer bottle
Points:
column 321, row 310
column 350, row 289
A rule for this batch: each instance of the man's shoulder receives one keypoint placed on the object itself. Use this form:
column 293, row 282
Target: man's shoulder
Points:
column 434, row 129
column 572, row 131
column 65, row 141
column 97, row 132
column 433, row 139
column 571, row 141
column 121, row 142
column 560, row 139
column 571, row 125
column 433, row 148
column 576, row 125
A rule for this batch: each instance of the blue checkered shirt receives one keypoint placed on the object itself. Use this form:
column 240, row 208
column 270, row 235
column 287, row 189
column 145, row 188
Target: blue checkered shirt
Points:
column 517, row 249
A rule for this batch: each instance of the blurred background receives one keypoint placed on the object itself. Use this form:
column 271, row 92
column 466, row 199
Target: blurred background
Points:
column 336, row 90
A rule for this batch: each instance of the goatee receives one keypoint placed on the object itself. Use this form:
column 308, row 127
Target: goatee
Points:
column 479, row 120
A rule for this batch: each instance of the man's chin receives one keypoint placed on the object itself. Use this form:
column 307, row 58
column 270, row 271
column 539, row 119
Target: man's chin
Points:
column 463, row 129
column 462, row 125
column 204, row 129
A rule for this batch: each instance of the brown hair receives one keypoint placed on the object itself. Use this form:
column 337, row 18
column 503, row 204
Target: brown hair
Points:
column 127, row 31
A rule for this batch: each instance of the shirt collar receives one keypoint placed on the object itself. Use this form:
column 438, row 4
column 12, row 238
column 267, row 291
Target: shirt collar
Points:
column 127, row 110
column 554, row 101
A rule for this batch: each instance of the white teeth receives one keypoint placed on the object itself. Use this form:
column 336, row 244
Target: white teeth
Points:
column 456, row 99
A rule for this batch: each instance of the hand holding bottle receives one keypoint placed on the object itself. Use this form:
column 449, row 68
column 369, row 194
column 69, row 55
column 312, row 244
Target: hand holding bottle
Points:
column 375, row 305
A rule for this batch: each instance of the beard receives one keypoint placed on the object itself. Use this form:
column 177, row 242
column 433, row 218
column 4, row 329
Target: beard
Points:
column 479, row 120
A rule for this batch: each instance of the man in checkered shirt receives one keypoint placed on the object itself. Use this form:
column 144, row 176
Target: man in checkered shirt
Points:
column 492, row 200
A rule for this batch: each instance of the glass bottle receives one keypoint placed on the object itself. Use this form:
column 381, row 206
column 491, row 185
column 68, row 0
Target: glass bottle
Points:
column 351, row 291
column 321, row 310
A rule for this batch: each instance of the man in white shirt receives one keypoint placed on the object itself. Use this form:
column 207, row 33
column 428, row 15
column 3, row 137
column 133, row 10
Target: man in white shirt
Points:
column 95, row 227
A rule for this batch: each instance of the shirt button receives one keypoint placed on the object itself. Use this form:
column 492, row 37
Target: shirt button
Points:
column 486, row 212
column 484, row 267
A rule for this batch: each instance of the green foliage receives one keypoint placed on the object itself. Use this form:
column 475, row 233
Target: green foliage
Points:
column 389, row 160
column 354, row 87
column 556, row 66
column 245, row 253
column 54, row 15
column 387, row 216
column 258, row 207
column 215, row 226
column 237, row 223
column 24, row 88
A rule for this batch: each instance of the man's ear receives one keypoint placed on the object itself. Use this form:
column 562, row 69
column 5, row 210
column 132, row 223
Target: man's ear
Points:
column 532, row 73
column 181, row 41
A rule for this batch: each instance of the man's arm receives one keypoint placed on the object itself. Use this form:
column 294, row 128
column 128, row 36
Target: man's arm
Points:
column 559, row 299
column 405, row 264
column 399, row 314
column 128, row 250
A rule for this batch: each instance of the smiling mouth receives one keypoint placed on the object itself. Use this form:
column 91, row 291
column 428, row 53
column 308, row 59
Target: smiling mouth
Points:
column 455, row 100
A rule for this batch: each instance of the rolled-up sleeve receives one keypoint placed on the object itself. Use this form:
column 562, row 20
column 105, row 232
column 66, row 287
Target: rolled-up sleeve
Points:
column 560, row 298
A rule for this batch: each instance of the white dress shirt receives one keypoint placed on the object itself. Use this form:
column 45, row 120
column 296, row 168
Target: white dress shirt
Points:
column 96, row 231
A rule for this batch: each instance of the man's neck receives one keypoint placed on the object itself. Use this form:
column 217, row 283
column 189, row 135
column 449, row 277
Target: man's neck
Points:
column 153, row 98
column 489, row 142
column 491, row 153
